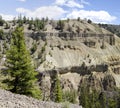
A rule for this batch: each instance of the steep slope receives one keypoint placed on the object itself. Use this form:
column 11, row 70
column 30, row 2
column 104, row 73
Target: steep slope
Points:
column 10, row 100
column 78, row 51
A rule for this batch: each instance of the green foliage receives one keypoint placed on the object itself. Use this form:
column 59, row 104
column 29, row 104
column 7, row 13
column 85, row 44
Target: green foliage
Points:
column 112, row 103
column 24, row 19
column 84, row 99
column 118, row 99
column 41, row 52
column 5, row 45
column 50, row 54
column 89, row 21
column 96, row 99
column 70, row 96
column 39, row 24
column 7, row 26
column 43, row 49
column 115, row 29
column 60, row 25
column 2, row 34
column 2, row 78
column 20, row 20
column 19, row 67
column 78, row 19
column 14, row 21
column 39, row 55
column 34, row 48
column 30, row 25
column 1, row 21
column 102, row 100
column 58, row 91
column 30, row 22
column 65, row 105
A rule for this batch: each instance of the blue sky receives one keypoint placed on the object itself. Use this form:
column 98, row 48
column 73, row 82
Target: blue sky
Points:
column 100, row 11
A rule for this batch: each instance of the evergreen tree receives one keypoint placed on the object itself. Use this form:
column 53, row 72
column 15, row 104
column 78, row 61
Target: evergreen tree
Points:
column 70, row 96
column 58, row 90
column 20, row 21
column 22, row 75
column 102, row 100
column 1, row 34
column 7, row 26
column 1, row 21
column 84, row 97
column 24, row 19
column 60, row 25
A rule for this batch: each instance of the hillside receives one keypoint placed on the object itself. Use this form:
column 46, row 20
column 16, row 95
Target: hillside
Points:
column 80, row 52
column 9, row 100
column 112, row 28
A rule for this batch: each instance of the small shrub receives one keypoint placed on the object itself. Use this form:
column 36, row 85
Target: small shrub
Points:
column 65, row 105
column 50, row 54
column 34, row 48
column 2, row 34
column 7, row 26
column 89, row 21
column 70, row 96
column 78, row 19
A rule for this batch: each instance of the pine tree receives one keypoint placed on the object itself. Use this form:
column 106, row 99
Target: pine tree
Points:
column 103, row 100
column 84, row 97
column 19, row 68
column 58, row 90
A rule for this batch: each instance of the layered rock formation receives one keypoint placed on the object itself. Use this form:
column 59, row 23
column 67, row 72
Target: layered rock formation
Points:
column 83, row 54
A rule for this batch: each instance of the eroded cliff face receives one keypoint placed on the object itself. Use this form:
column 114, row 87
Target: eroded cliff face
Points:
column 88, row 55
column 97, row 65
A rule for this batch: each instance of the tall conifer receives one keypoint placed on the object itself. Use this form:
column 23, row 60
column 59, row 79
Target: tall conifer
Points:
column 58, row 90
column 19, row 67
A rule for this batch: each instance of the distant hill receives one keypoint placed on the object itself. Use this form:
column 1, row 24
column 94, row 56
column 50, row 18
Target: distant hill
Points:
column 81, row 52
column 115, row 29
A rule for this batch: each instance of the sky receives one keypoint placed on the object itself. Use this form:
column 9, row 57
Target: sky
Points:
column 99, row 11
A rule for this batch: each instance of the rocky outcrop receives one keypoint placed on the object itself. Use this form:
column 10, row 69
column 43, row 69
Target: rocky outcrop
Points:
column 88, row 39
column 88, row 55
column 10, row 100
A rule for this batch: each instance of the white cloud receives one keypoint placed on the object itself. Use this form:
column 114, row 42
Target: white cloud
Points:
column 60, row 2
column 85, row 2
column 22, row 10
column 69, row 3
column 45, row 11
column 22, row 0
column 7, row 17
column 96, row 16
column 72, row 3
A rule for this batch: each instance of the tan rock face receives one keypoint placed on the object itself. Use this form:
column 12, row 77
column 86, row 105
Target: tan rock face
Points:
column 81, row 52
column 78, row 62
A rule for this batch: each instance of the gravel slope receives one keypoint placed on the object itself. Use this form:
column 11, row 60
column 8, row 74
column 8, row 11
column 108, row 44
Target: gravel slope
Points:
column 10, row 100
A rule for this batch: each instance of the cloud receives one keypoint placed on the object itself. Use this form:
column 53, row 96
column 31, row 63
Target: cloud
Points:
column 96, row 16
column 60, row 2
column 22, row 0
column 7, row 17
column 69, row 3
column 22, row 10
column 72, row 3
column 85, row 2
column 54, row 12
